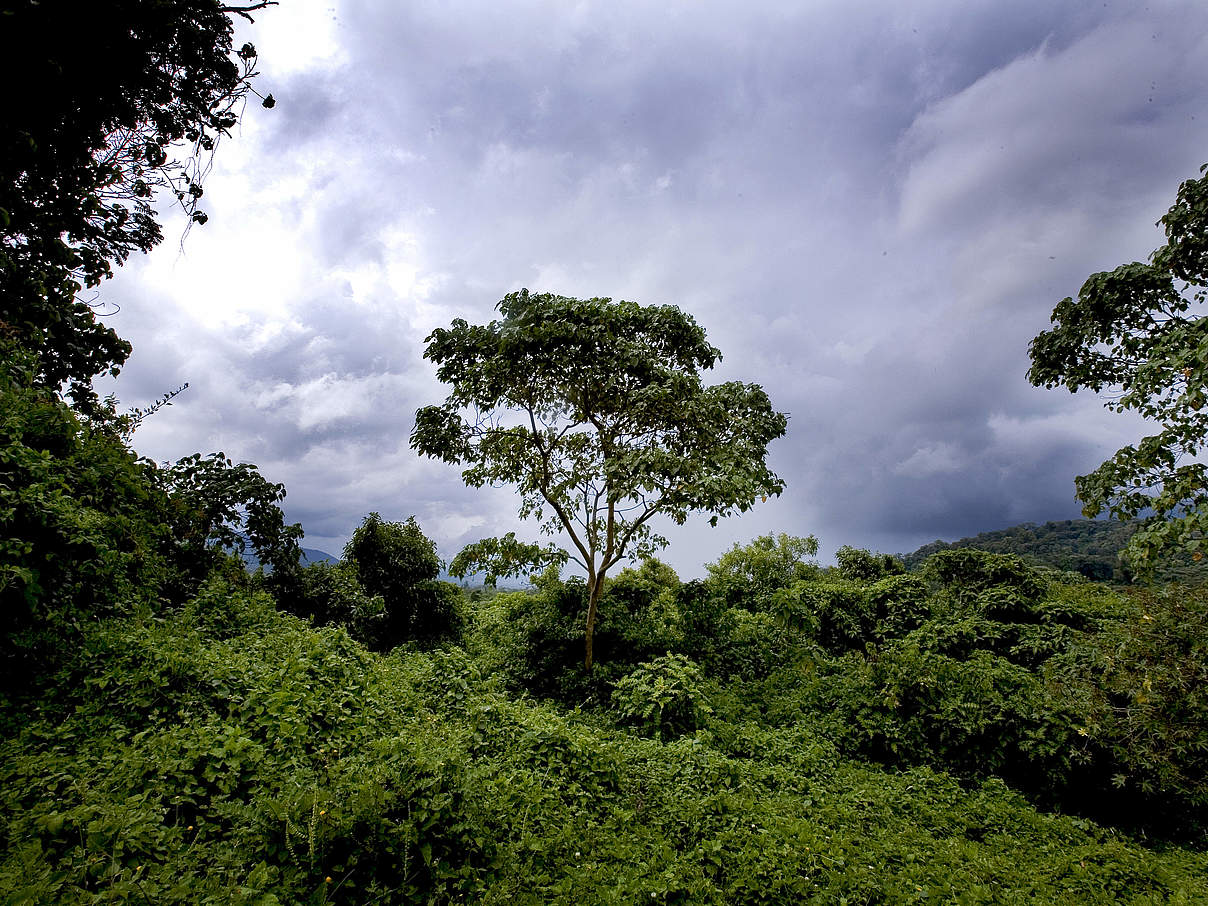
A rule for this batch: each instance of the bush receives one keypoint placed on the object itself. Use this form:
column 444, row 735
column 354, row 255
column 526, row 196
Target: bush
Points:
column 977, row 716
column 856, row 565
column 398, row 563
column 838, row 614
column 900, row 602
column 534, row 640
column 83, row 530
column 753, row 645
column 329, row 594
column 702, row 614
column 1142, row 683
column 663, row 697
column 964, row 571
column 748, row 576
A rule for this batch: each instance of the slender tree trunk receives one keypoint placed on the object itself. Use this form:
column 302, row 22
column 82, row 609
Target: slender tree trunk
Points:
column 593, row 599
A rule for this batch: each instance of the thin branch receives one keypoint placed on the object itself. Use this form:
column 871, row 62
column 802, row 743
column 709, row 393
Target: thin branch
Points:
column 246, row 11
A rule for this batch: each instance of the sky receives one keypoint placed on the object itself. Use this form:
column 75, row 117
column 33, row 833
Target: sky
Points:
column 871, row 208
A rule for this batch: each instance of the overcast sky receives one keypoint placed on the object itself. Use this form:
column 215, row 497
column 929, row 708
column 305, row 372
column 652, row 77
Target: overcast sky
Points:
column 870, row 207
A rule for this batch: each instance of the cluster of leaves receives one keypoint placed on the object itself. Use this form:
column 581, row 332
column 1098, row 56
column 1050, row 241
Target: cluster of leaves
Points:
column 87, row 527
column 664, row 697
column 984, row 666
column 1141, row 688
column 1140, row 331
column 83, row 153
column 232, row 754
column 385, row 591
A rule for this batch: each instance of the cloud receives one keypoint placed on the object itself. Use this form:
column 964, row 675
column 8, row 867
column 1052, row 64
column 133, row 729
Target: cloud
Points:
column 871, row 214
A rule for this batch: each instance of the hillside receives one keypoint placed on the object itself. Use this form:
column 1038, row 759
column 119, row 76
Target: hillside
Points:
column 309, row 555
column 1090, row 547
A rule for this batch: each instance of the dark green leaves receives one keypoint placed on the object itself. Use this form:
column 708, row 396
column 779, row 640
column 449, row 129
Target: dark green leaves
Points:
column 596, row 412
column 121, row 88
column 1140, row 332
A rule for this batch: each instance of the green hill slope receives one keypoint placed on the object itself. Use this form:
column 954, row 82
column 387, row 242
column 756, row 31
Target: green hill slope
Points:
column 1090, row 547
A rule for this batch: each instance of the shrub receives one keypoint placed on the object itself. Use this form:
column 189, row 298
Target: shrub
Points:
column 748, row 576
column 329, row 594
column 398, row 563
column 663, row 697
column 1143, row 683
column 965, row 571
column 856, row 565
column 702, row 614
column 83, row 530
column 838, row 614
column 976, row 716
column 900, row 602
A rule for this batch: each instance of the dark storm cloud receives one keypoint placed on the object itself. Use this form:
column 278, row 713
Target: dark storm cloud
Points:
column 871, row 212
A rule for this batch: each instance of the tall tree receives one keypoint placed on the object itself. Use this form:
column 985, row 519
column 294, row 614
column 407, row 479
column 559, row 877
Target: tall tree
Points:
column 104, row 98
column 1140, row 333
column 596, row 411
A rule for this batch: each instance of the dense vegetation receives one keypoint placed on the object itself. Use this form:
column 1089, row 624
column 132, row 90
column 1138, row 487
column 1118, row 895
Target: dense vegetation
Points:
column 1093, row 548
column 177, row 730
column 975, row 733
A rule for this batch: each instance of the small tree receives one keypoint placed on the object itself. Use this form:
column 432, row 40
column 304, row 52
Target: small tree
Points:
column 596, row 411
column 396, row 561
column 747, row 576
column 1140, row 331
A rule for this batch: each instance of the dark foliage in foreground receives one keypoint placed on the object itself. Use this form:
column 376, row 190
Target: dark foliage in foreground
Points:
column 230, row 754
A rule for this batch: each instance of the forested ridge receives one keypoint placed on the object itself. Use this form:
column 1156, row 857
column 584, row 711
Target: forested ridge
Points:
column 976, row 728
column 1090, row 547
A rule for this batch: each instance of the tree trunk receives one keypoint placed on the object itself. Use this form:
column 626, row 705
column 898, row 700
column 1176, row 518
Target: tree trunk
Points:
column 593, row 599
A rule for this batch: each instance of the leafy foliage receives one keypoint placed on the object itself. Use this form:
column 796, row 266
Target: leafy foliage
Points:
column 596, row 411
column 330, row 594
column 81, row 158
column 1142, row 687
column 1140, row 331
column 532, row 638
column 747, row 576
column 89, row 529
column 83, row 528
column 220, row 506
column 499, row 558
column 230, row 754
column 397, row 563
column 857, row 565
column 663, row 697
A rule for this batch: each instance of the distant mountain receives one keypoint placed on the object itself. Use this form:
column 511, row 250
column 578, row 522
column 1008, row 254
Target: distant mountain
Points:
column 309, row 555
column 1090, row 547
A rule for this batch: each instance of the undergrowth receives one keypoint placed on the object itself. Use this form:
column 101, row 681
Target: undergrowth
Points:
column 231, row 754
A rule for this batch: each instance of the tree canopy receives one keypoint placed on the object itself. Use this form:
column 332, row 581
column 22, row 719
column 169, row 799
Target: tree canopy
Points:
column 113, row 93
column 1139, row 332
column 595, row 410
